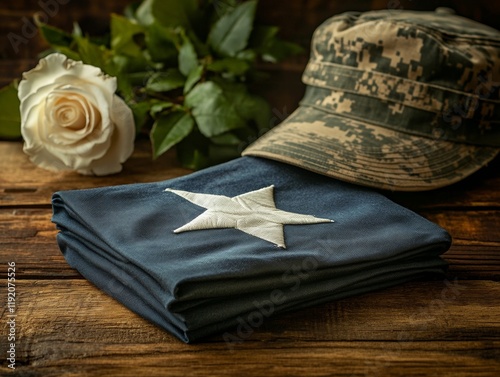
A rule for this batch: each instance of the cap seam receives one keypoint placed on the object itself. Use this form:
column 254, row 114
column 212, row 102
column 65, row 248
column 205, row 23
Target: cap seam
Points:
column 384, row 125
column 386, row 75
column 353, row 179
column 434, row 32
column 367, row 154
column 299, row 160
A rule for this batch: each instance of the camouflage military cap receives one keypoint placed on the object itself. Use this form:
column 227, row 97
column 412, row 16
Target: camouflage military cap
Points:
column 399, row 100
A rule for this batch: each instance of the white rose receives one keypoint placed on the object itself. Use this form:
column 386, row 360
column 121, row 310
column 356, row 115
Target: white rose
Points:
column 71, row 118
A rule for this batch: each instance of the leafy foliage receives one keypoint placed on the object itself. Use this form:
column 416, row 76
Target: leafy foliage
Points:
column 184, row 67
column 9, row 116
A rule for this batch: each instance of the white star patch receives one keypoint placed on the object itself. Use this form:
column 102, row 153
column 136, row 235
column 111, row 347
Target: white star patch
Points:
column 253, row 212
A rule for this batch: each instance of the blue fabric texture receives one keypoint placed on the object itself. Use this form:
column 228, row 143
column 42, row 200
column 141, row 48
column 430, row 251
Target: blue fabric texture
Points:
column 199, row 283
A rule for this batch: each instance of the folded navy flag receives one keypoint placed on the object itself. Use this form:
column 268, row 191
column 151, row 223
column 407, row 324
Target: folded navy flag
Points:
column 235, row 243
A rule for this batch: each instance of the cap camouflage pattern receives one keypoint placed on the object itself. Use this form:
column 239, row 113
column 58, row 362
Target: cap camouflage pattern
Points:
column 399, row 100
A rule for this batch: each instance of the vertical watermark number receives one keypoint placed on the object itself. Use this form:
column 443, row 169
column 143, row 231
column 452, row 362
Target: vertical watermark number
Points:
column 11, row 315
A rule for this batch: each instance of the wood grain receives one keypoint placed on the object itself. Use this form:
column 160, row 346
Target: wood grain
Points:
column 67, row 327
column 28, row 236
column 321, row 359
column 27, row 232
column 22, row 183
column 403, row 328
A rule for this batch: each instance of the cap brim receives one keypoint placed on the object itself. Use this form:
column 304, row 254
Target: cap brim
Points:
column 368, row 154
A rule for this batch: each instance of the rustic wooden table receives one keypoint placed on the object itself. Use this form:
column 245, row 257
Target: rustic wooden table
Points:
column 64, row 326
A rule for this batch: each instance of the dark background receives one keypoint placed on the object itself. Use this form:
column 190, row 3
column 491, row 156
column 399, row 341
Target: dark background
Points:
column 296, row 18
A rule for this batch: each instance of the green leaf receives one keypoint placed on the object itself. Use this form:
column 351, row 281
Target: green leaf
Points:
column 123, row 32
column 191, row 158
column 248, row 55
column 119, row 66
column 95, row 55
column 139, row 78
column 213, row 112
column 249, row 106
column 200, row 47
column 68, row 52
column 168, row 12
column 77, row 30
column 280, row 50
column 144, row 13
column 165, row 81
column 272, row 49
column 10, row 116
column 263, row 35
column 235, row 66
column 125, row 64
column 193, row 78
column 161, row 43
column 141, row 114
column 114, row 65
column 125, row 89
column 54, row 36
column 223, row 7
column 192, row 152
column 231, row 32
column 220, row 153
column 159, row 107
column 255, row 108
column 169, row 130
column 227, row 138
column 188, row 59
column 131, row 10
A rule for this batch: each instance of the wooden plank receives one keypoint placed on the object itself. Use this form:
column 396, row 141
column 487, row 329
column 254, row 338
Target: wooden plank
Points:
column 469, row 227
column 27, row 237
column 410, row 330
column 474, row 262
column 463, row 359
column 22, row 183
column 481, row 189
column 66, row 327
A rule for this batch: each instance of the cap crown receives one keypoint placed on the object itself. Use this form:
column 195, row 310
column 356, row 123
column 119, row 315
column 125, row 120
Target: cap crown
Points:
column 425, row 73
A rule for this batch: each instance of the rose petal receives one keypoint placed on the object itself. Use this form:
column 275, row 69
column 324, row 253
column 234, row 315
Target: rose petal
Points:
column 123, row 119
column 89, row 116
column 104, row 85
column 32, row 132
column 35, row 98
column 69, row 114
column 122, row 145
column 72, row 120
column 58, row 67
column 75, row 160
column 44, row 159
column 44, row 74
column 96, row 97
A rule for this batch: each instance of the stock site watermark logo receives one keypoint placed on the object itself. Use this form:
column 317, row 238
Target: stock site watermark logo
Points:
column 292, row 279
column 29, row 29
column 422, row 320
column 10, row 308
column 455, row 114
